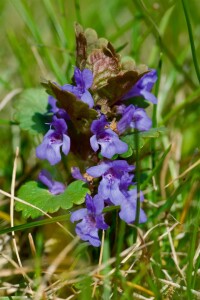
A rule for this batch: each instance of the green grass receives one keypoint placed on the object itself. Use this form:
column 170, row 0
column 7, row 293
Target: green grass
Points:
column 37, row 41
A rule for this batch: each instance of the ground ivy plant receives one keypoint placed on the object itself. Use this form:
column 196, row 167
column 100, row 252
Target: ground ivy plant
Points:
column 100, row 120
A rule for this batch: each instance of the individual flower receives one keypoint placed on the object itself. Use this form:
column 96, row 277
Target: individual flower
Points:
column 84, row 80
column 134, row 117
column 55, row 187
column 54, row 140
column 92, row 220
column 59, row 112
column 113, row 180
column 106, row 138
column 128, row 207
column 143, row 87
column 76, row 174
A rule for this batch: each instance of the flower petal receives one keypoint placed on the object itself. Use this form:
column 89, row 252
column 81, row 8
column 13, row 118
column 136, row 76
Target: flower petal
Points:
column 78, row 215
column 86, row 97
column 66, row 144
column 98, row 203
column 76, row 174
column 52, row 102
column 72, row 89
column 93, row 238
column 98, row 125
column 94, row 144
column 57, row 188
column 100, row 223
column 90, row 205
column 108, row 149
column 53, row 153
column 121, row 146
column 41, row 150
column 128, row 212
column 79, row 79
column 87, row 78
column 99, row 170
column 45, row 177
column 59, row 125
column 149, row 96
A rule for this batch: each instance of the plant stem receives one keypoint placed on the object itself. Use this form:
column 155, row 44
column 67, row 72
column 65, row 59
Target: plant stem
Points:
column 119, row 248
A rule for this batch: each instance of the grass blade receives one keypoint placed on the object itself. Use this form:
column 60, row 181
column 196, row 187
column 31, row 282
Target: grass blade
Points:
column 35, row 224
column 185, row 9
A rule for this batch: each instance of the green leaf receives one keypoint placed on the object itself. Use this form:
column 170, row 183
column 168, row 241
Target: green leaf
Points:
column 30, row 109
column 153, row 132
column 35, row 194
column 130, row 140
column 128, row 153
column 76, row 192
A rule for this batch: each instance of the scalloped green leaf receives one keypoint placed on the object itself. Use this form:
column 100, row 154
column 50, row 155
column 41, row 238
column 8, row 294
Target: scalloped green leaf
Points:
column 31, row 106
column 36, row 194
column 76, row 192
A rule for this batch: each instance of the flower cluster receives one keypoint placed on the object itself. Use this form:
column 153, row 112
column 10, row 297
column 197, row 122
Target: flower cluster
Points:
column 109, row 177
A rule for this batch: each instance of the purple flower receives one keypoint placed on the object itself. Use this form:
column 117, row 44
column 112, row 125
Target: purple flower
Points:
column 113, row 175
column 84, row 80
column 134, row 117
column 59, row 112
column 53, row 140
column 106, row 138
column 76, row 174
column 92, row 220
column 129, row 205
column 143, row 87
column 54, row 187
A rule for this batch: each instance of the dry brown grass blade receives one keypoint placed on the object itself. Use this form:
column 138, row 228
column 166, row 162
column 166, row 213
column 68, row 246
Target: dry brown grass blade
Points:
column 140, row 288
column 188, row 201
column 32, row 244
column 12, row 215
column 39, row 61
column 184, row 173
column 174, row 255
column 100, row 261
